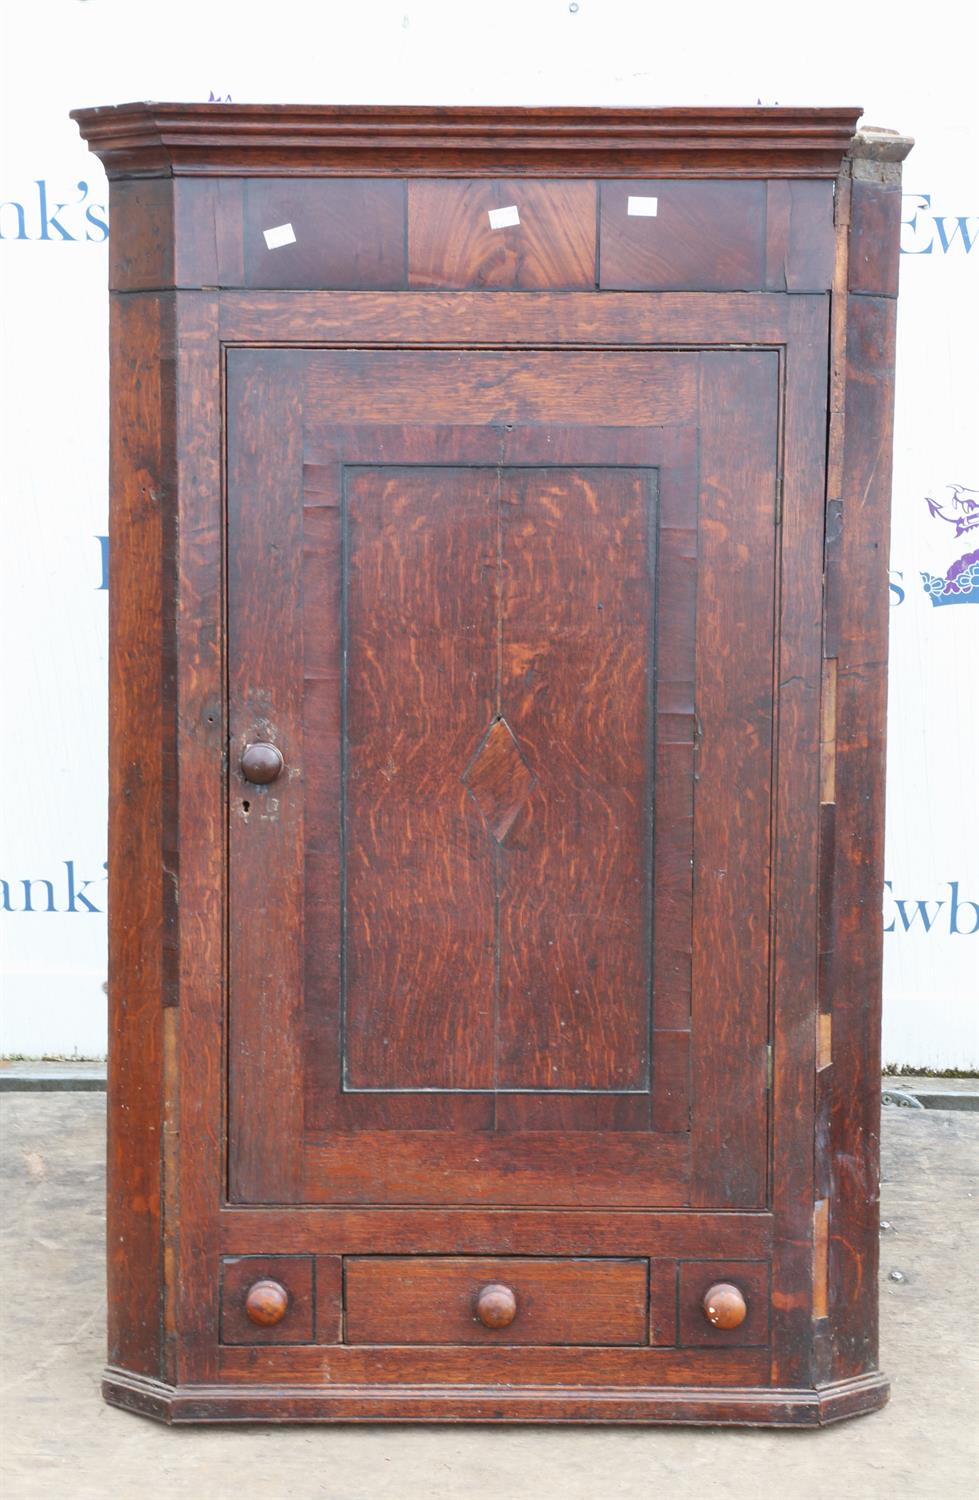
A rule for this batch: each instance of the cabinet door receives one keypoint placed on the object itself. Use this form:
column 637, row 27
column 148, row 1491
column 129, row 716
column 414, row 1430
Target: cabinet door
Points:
column 499, row 929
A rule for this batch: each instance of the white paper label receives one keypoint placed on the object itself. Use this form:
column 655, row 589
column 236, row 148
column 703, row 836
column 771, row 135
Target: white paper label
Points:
column 284, row 234
column 643, row 208
column 502, row 218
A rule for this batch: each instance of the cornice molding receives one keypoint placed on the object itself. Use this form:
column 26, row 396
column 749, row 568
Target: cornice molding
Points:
column 165, row 140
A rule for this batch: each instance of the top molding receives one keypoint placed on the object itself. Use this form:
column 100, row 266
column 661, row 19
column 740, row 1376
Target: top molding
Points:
column 323, row 140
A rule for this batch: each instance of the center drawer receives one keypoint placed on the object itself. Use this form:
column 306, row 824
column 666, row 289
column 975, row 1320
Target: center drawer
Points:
column 495, row 1300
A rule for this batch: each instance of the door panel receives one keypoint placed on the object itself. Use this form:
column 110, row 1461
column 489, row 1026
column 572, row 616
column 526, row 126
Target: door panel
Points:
column 505, row 670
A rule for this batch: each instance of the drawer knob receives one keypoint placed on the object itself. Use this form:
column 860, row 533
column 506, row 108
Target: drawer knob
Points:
column 261, row 763
column 724, row 1306
column 496, row 1306
column 266, row 1303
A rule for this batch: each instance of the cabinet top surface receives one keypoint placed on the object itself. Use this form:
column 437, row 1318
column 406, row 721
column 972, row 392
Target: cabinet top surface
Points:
column 163, row 139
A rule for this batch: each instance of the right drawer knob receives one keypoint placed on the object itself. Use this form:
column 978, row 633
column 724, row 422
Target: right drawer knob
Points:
column 496, row 1306
column 724, row 1306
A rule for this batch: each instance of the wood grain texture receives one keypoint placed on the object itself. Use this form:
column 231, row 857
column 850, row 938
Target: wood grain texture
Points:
column 431, row 1300
column 420, row 690
column 292, row 1272
column 854, row 971
column 704, row 236
column 572, row 1168
column 800, row 236
column 348, row 140
column 503, row 1370
column 732, row 838
column 562, row 399
column 348, row 233
column 142, row 239
column 795, row 927
column 732, row 1404
column 196, row 1077
column 875, row 228
column 466, row 319
column 140, row 808
column 265, row 651
column 503, row 1231
column 451, row 242
column 694, row 1278
column 576, row 665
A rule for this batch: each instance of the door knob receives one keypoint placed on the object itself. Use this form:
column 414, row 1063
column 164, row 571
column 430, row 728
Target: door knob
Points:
column 266, row 1303
column 496, row 1306
column 261, row 763
column 724, row 1306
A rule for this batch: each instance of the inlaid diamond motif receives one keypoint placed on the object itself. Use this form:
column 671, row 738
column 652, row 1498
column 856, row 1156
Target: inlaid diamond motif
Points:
column 498, row 779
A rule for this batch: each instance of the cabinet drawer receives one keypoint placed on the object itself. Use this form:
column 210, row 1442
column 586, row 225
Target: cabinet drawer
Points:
column 437, row 1300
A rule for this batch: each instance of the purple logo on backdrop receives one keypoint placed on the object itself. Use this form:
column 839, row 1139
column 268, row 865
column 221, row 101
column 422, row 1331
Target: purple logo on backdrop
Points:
column 960, row 584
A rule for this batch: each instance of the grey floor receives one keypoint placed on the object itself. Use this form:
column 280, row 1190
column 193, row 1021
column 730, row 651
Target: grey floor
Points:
column 59, row 1439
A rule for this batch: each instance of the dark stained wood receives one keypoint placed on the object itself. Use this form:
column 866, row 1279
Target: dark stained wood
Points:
column 429, row 1300
column 292, row 529
column 510, row 1231
column 738, row 1401
column 142, row 241
column 465, row 319
column 265, row 823
column 573, row 1168
column 351, row 140
column 732, row 836
column 452, row 243
column 663, row 1303
column 329, row 1299
column 697, row 1279
column 141, row 787
column 875, row 228
column 703, row 237
column 209, row 231
column 854, row 969
column 498, row 1365
column 576, row 680
column 267, row 1299
column 419, row 693
column 800, row 236
column 347, row 233
column 795, row 927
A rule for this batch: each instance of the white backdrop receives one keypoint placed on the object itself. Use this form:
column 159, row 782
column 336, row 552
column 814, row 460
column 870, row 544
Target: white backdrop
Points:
column 911, row 71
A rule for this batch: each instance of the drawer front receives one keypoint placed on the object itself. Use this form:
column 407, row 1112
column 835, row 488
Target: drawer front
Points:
column 438, row 1300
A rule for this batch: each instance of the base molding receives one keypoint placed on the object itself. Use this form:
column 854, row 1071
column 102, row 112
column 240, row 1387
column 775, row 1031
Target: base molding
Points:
column 742, row 1406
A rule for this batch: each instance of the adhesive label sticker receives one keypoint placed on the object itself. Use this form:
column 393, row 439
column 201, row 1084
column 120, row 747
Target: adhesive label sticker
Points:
column 284, row 234
column 502, row 218
column 643, row 208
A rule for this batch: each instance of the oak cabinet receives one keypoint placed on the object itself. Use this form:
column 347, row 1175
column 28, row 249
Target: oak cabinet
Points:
column 498, row 628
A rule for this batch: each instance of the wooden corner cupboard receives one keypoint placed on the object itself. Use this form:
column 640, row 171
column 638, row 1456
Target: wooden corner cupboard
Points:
column 498, row 640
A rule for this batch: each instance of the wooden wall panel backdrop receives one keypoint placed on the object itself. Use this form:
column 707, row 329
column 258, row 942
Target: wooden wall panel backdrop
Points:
column 499, row 518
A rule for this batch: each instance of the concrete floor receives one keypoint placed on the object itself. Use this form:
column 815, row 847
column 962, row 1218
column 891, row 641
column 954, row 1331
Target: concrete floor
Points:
column 60, row 1440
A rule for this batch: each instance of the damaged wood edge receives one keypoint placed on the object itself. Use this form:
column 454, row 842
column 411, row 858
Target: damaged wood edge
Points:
column 876, row 154
column 820, row 1260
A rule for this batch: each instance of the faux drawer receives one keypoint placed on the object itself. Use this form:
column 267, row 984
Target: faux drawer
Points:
column 433, row 1300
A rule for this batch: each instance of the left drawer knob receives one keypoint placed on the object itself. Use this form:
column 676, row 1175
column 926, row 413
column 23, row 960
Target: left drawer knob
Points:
column 266, row 1303
column 261, row 763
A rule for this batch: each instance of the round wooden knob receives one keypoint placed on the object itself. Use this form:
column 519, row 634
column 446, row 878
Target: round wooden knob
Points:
column 496, row 1306
column 724, row 1306
column 261, row 763
column 266, row 1303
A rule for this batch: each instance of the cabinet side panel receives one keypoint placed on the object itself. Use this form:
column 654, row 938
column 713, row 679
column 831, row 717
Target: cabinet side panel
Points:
column 853, row 971
column 141, row 803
